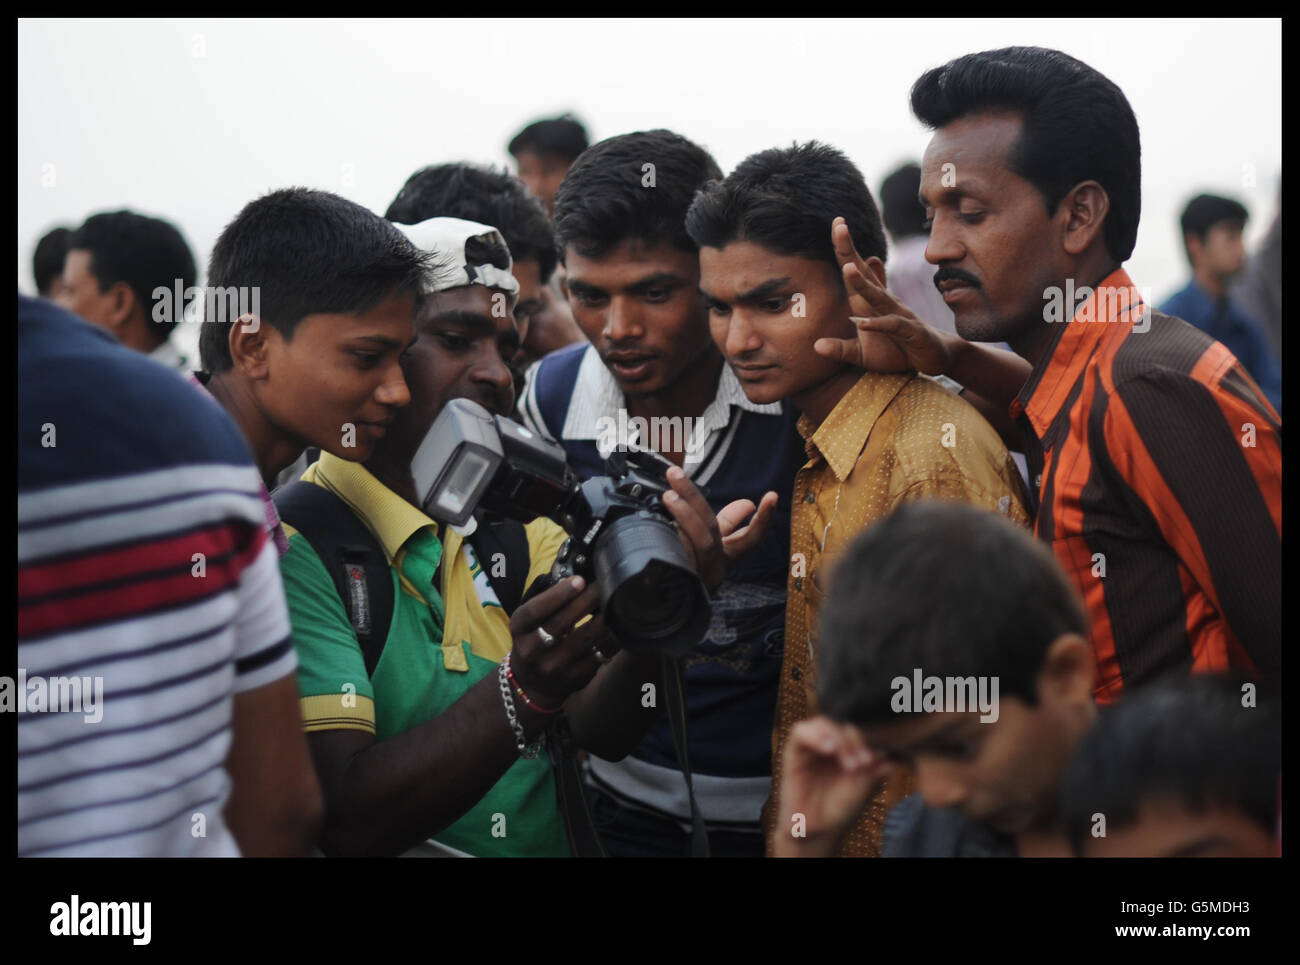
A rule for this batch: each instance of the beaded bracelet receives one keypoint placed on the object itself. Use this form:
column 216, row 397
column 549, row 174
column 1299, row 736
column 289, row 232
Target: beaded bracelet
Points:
column 534, row 705
column 526, row 750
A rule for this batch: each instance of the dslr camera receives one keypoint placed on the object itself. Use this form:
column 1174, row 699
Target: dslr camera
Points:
column 620, row 533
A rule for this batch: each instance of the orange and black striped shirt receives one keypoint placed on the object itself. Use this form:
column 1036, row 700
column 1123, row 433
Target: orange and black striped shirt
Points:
column 1157, row 466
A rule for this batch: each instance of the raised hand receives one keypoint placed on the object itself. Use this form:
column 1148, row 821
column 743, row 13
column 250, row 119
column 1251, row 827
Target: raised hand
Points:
column 829, row 776
column 890, row 337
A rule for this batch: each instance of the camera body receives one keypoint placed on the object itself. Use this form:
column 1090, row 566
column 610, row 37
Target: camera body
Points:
column 620, row 533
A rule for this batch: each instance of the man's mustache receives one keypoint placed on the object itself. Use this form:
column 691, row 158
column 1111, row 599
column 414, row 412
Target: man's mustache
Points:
column 955, row 274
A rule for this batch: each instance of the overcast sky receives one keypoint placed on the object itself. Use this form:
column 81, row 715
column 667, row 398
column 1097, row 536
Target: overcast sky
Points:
column 191, row 119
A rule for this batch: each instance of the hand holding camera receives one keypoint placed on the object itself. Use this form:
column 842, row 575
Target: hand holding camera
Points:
column 553, row 656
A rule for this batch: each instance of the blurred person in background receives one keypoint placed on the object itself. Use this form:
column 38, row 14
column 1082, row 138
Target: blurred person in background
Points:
column 1258, row 289
column 146, row 578
column 1212, row 227
column 1187, row 768
column 115, row 263
column 543, row 152
column 911, row 277
column 47, row 263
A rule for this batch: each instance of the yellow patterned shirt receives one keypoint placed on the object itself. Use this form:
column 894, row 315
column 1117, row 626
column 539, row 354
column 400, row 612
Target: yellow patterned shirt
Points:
column 891, row 439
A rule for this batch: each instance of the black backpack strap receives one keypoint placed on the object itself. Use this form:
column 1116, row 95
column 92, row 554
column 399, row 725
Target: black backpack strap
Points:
column 352, row 556
column 509, row 538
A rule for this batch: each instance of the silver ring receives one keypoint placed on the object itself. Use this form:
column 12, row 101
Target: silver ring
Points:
column 600, row 657
column 547, row 639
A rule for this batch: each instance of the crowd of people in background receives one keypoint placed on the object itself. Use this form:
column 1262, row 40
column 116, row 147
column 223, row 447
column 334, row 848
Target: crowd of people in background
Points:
column 992, row 544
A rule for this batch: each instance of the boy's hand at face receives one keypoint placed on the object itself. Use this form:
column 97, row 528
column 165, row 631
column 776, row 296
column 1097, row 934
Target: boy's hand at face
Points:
column 890, row 337
column 715, row 542
column 829, row 776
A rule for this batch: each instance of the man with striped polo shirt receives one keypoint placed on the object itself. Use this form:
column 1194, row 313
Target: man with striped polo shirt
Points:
column 157, row 704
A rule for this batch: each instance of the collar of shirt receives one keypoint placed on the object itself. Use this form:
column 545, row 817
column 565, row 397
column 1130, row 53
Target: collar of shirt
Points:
column 843, row 434
column 391, row 518
column 597, row 397
column 1097, row 319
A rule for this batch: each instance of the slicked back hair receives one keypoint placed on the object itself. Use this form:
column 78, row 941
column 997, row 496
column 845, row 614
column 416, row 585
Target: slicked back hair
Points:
column 308, row 252
column 1077, row 125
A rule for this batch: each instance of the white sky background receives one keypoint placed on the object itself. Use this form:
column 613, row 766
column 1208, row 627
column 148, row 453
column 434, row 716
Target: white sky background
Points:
column 191, row 119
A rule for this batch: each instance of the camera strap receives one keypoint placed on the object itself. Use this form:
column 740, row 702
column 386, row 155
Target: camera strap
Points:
column 674, row 695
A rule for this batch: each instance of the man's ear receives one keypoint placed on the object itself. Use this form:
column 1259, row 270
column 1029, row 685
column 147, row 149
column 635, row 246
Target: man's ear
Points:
column 250, row 346
column 1085, row 207
column 1069, row 670
column 121, row 307
column 877, row 269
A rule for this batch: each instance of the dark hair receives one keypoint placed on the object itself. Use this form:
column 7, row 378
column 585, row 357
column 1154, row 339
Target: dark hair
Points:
column 307, row 252
column 785, row 199
column 146, row 253
column 606, row 197
column 945, row 587
column 1077, row 125
column 484, row 195
column 562, row 137
column 900, row 207
column 1189, row 739
column 1204, row 211
column 47, row 261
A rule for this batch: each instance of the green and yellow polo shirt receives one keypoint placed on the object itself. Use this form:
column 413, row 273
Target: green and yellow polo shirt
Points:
column 443, row 639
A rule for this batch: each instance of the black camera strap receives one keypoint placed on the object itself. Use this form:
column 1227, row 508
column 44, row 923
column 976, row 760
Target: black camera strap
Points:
column 674, row 695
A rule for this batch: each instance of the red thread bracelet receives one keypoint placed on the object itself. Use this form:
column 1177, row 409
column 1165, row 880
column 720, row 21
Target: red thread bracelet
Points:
column 532, row 704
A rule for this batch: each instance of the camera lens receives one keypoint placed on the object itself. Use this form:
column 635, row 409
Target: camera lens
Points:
column 653, row 599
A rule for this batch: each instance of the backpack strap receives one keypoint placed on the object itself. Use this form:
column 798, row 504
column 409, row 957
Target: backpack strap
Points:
column 352, row 556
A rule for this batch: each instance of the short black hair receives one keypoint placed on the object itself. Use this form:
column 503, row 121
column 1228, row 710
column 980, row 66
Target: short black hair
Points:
column 307, row 252
column 47, row 261
column 1204, row 211
column 901, row 209
column 613, row 194
column 146, row 253
column 1191, row 740
column 945, row 587
column 481, row 194
column 785, row 199
column 562, row 137
column 1077, row 125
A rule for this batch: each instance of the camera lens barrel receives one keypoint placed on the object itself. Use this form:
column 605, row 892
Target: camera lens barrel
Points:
column 651, row 596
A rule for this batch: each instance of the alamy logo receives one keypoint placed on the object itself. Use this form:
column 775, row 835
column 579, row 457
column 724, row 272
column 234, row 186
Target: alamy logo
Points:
column 660, row 433
column 222, row 304
column 919, row 694
column 1111, row 304
column 74, row 917
column 53, row 695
